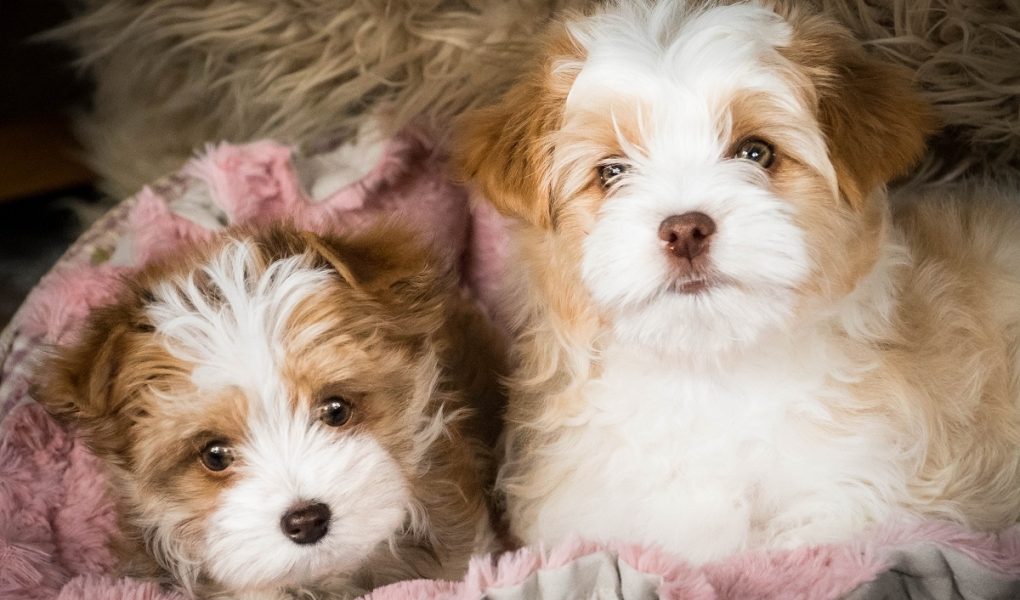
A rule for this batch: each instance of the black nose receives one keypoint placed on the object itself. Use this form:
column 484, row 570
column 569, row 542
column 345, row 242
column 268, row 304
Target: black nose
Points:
column 306, row 523
column 687, row 235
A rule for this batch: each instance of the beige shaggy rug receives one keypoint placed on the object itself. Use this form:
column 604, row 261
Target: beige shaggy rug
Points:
column 173, row 75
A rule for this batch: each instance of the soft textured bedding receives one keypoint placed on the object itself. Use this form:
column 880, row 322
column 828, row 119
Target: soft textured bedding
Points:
column 56, row 518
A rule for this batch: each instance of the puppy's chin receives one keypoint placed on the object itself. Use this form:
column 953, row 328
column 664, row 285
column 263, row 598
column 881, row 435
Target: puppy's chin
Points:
column 704, row 325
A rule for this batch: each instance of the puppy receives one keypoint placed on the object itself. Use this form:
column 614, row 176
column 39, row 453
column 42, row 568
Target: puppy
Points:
column 726, row 338
column 287, row 414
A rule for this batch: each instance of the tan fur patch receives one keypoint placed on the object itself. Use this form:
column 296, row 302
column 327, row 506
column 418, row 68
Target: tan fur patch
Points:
column 875, row 121
column 506, row 148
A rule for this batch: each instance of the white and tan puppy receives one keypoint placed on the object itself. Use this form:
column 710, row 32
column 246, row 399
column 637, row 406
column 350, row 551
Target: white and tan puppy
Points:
column 726, row 337
column 287, row 415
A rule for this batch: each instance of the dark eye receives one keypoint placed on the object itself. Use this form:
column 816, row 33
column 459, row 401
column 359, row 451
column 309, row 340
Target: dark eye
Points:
column 217, row 455
column 335, row 411
column 609, row 173
column 756, row 150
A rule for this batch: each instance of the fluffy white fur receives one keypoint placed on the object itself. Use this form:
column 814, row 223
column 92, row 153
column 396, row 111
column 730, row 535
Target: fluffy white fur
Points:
column 235, row 338
column 286, row 462
column 838, row 370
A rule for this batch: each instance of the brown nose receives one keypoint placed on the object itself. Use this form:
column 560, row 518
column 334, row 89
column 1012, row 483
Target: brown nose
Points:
column 306, row 523
column 687, row 235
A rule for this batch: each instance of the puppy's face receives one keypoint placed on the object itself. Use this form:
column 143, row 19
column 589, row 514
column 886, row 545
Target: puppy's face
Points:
column 712, row 169
column 264, row 406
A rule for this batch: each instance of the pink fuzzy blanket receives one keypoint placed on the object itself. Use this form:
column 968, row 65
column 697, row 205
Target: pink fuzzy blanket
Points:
column 56, row 518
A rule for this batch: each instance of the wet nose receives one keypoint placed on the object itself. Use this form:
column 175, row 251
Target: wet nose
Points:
column 306, row 523
column 687, row 235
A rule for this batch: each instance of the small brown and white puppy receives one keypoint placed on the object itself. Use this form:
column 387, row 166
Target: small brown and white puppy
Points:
column 287, row 414
column 727, row 339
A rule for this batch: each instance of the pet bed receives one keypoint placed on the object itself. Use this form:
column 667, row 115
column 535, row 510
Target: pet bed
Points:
column 56, row 517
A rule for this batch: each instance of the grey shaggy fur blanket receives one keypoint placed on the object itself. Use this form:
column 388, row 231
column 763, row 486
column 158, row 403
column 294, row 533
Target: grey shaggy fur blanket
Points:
column 173, row 75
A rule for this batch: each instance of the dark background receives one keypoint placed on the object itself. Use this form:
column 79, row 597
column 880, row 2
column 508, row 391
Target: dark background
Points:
column 46, row 196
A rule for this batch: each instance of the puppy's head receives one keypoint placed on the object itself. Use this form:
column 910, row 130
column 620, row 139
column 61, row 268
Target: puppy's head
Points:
column 266, row 403
column 716, row 167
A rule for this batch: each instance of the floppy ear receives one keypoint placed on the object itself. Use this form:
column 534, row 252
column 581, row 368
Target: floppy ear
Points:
column 506, row 149
column 874, row 119
column 78, row 384
column 386, row 260
column 329, row 253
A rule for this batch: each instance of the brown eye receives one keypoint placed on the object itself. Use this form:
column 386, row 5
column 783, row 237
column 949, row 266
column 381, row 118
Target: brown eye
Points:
column 608, row 174
column 335, row 411
column 217, row 455
column 756, row 150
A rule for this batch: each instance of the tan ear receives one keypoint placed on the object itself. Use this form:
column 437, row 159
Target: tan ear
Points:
column 329, row 254
column 387, row 260
column 77, row 385
column 506, row 149
column 875, row 121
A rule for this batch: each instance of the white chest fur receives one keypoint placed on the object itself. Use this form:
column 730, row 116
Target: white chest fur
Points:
column 707, row 462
